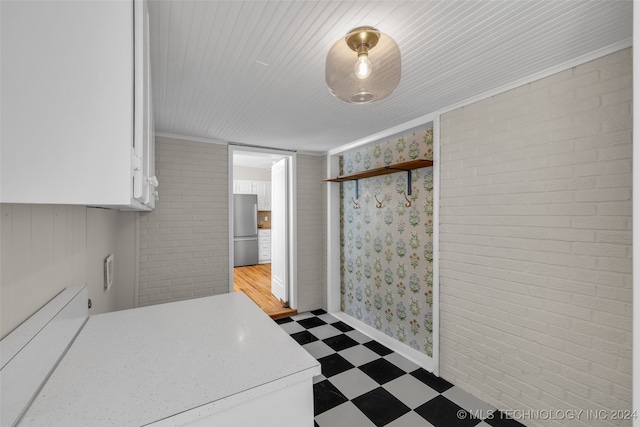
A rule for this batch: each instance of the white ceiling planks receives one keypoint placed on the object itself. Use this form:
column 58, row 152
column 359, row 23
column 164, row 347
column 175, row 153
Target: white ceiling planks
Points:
column 253, row 71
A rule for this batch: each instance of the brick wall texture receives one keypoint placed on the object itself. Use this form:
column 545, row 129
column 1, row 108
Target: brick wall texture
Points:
column 536, row 282
column 311, row 206
column 184, row 251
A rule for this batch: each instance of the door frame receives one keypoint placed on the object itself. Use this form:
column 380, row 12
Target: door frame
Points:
column 293, row 221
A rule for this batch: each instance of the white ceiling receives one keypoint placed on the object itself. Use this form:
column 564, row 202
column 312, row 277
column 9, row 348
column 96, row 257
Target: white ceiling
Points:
column 253, row 71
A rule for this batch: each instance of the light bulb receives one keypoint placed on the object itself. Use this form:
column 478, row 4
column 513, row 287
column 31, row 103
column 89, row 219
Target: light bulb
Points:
column 363, row 67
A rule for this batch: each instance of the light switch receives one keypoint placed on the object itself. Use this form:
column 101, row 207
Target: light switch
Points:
column 266, row 218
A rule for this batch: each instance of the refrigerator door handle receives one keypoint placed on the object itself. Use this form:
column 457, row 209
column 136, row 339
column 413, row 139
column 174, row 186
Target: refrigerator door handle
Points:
column 255, row 217
column 245, row 239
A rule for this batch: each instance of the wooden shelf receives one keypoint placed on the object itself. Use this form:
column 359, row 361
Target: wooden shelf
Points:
column 385, row 170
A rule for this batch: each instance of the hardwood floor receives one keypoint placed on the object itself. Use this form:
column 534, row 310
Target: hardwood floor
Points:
column 255, row 281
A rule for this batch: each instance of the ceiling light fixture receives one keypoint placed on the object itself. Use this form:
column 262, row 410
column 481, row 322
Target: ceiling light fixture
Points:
column 370, row 75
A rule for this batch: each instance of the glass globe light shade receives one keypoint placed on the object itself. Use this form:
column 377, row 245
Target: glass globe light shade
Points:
column 384, row 72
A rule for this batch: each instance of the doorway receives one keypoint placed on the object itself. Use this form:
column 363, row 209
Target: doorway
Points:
column 262, row 181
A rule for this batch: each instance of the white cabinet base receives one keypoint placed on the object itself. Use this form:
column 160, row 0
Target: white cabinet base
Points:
column 264, row 246
column 255, row 375
column 289, row 407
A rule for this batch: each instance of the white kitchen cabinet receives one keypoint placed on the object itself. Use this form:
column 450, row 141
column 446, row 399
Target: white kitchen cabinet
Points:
column 264, row 195
column 261, row 188
column 268, row 194
column 264, row 246
column 77, row 125
column 242, row 186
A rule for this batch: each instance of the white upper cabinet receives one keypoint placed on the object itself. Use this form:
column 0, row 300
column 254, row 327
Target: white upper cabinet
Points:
column 260, row 188
column 264, row 195
column 76, row 113
column 242, row 186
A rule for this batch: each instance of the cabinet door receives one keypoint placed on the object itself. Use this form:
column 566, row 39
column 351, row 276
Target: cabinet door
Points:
column 260, row 191
column 264, row 195
column 67, row 77
column 268, row 195
column 242, row 186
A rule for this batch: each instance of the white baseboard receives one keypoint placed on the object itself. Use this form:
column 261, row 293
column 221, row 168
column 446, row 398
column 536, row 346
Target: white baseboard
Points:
column 412, row 354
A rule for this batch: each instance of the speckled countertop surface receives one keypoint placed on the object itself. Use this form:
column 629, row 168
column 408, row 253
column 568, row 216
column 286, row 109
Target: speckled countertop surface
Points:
column 192, row 358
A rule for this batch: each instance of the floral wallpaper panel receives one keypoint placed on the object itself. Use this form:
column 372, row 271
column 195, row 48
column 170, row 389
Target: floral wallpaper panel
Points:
column 387, row 242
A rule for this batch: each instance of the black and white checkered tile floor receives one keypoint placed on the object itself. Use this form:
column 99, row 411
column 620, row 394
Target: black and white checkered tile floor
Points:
column 365, row 384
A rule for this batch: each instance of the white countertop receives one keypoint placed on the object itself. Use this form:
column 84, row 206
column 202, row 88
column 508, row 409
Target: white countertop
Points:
column 192, row 358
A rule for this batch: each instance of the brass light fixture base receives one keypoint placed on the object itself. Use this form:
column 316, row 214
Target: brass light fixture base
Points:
column 360, row 37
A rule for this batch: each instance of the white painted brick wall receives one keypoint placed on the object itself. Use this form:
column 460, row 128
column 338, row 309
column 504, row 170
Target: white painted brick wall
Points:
column 311, row 206
column 536, row 244
column 184, row 250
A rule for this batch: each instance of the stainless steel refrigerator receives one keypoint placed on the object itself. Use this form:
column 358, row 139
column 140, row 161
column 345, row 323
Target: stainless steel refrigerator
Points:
column 245, row 229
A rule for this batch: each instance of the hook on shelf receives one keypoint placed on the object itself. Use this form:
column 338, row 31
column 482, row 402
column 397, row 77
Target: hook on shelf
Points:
column 408, row 192
column 408, row 204
column 356, row 205
column 379, row 204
